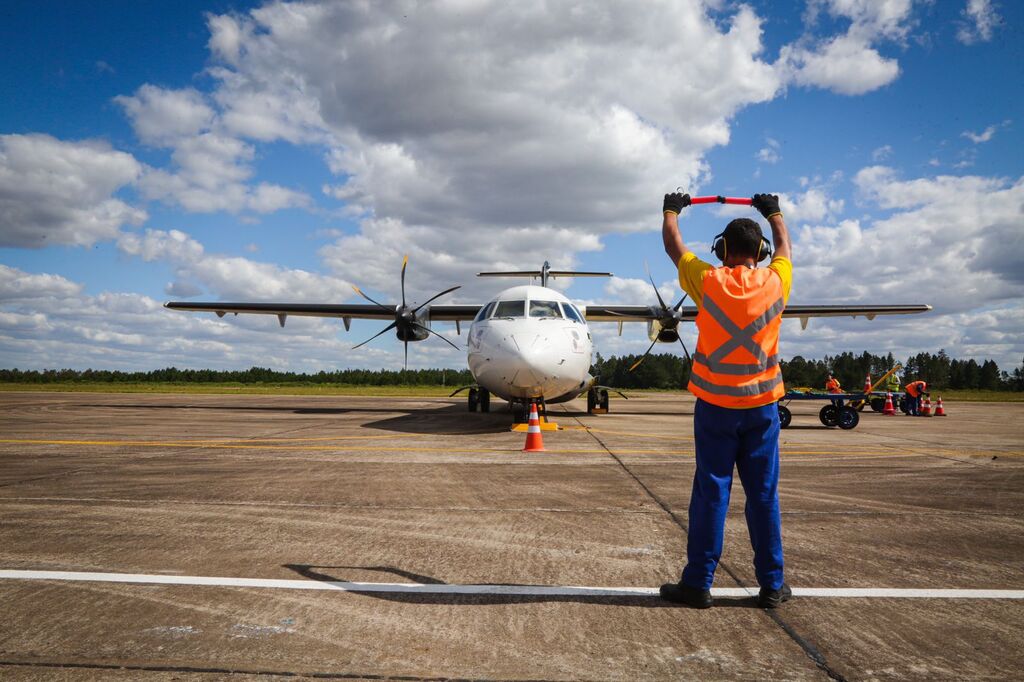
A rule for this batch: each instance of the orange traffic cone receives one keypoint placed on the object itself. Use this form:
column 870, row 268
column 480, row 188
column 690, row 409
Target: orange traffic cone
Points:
column 939, row 412
column 867, row 384
column 889, row 409
column 926, row 411
column 534, row 439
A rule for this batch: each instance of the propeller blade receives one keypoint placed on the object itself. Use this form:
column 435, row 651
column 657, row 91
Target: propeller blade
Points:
column 689, row 367
column 656, row 292
column 446, row 291
column 680, row 304
column 385, row 329
column 405, row 261
column 431, row 331
column 360, row 292
column 406, row 344
column 685, row 350
column 644, row 356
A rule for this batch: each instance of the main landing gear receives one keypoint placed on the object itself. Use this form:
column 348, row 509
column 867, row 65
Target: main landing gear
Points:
column 597, row 401
column 479, row 397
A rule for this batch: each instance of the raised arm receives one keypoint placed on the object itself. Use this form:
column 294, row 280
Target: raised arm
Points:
column 670, row 235
column 768, row 205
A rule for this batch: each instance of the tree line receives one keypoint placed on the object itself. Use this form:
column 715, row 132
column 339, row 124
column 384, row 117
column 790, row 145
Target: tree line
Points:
column 665, row 371
column 938, row 369
column 253, row 375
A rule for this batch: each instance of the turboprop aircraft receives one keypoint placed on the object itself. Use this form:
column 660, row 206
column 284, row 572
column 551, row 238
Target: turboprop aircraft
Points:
column 529, row 343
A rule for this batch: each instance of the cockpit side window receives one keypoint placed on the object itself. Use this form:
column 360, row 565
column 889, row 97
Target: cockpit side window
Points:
column 485, row 312
column 510, row 309
column 544, row 309
column 571, row 312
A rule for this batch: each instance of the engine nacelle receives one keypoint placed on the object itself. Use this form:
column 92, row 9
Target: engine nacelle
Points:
column 656, row 331
column 405, row 333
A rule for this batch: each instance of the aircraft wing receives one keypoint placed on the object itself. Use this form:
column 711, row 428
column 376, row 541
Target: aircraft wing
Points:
column 347, row 311
column 642, row 313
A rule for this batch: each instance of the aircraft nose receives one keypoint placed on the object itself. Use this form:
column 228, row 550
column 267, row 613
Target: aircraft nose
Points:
column 536, row 358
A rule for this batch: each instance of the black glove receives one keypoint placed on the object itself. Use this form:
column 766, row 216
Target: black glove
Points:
column 766, row 204
column 675, row 202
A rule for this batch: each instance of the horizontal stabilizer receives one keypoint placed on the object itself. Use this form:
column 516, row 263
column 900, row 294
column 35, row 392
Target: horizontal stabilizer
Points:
column 539, row 273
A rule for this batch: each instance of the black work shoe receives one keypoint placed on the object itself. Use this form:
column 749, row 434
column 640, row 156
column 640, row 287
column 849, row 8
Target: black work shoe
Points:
column 770, row 599
column 693, row 597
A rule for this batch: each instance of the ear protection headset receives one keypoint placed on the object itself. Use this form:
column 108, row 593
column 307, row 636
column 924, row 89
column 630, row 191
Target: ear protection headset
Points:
column 719, row 246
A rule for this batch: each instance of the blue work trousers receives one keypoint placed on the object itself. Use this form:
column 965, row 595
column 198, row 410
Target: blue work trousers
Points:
column 749, row 440
column 913, row 404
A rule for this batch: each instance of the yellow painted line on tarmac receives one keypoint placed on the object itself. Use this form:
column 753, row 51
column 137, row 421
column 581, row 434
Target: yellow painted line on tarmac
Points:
column 625, row 433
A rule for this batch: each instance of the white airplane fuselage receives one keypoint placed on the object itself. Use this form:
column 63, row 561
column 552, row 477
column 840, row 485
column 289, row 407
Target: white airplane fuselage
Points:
column 531, row 342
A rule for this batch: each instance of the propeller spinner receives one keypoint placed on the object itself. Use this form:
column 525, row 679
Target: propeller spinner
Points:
column 406, row 324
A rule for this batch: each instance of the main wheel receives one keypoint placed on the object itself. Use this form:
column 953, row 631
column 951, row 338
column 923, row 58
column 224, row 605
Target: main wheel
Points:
column 829, row 415
column 848, row 418
column 785, row 416
column 877, row 404
column 485, row 400
column 473, row 400
column 520, row 413
column 591, row 401
column 604, row 400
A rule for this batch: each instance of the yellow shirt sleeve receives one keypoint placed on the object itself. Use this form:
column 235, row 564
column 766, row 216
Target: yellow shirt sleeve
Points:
column 691, row 276
column 782, row 266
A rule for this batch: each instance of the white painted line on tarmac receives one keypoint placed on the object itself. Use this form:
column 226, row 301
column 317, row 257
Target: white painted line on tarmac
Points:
column 503, row 590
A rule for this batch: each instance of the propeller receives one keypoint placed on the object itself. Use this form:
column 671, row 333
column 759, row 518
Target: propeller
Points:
column 407, row 325
column 669, row 320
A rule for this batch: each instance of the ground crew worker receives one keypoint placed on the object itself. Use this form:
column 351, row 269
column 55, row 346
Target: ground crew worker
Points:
column 892, row 384
column 832, row 386
column 915, row 389
column 737, row 381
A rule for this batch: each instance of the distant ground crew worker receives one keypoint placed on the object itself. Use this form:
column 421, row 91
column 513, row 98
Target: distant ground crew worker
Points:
column 737, row 381
column 892, row 384
column 915, row 389
column 832, row 386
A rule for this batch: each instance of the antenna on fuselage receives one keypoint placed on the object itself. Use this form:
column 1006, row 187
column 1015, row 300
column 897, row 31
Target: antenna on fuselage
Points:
column 545, row 273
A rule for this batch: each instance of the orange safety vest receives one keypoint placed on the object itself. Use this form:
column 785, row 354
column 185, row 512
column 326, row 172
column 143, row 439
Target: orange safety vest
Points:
column 737, row 359
column 916, row 388
column 832, row 386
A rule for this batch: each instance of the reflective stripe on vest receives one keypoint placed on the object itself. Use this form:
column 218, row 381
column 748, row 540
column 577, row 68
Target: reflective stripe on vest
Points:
column 730, row 296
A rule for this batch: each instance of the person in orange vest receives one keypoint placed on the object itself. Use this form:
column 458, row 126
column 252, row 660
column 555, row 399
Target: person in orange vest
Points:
column 832, row 386
column 914, row 390
column 737, row 381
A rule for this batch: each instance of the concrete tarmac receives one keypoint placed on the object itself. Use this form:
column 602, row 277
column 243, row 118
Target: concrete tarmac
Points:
column 418, row 490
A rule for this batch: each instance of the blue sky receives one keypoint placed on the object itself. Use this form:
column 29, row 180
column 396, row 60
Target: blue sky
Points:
column 283, row 151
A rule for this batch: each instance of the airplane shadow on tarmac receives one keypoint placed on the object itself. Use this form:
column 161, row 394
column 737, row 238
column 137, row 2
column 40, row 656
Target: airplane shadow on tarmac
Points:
column 316, row 573
column 450, row 419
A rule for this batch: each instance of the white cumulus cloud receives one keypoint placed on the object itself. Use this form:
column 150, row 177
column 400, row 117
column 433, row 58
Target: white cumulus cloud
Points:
column 54, row 192
column 980, row 21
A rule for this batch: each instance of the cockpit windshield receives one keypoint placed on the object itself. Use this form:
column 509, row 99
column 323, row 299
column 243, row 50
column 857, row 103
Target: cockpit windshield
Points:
column 485, row 312
column 571, row 312
column 544, row 309
column 510, row 309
